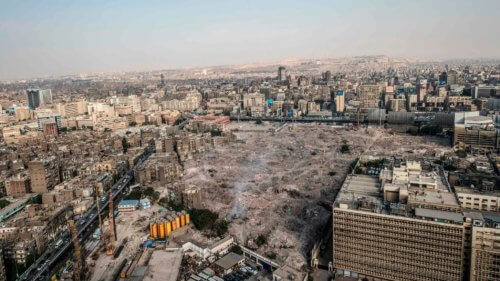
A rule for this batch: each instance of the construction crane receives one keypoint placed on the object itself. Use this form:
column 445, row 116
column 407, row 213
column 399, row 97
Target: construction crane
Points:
column 77, row 253
column 98, row 203
column 112, row 227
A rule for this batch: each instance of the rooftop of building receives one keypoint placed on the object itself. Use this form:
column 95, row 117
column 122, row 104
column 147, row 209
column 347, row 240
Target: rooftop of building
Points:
column 128, row 203
column 470, row 190
column 229, row 260
column 439, row 215
column 399, row 187
column 164, row 265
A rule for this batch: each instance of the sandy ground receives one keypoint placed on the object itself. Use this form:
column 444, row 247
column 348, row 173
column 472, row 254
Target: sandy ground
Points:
column 134, row 227
column 282, row 184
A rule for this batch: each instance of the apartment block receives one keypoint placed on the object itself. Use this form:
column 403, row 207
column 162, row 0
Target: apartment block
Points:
column 379, row 235
column 476, row 136
column 17, row 185
column 44, row 174
column 369, row 96
column 476, row 200
column 11, row 134
column 485, row 253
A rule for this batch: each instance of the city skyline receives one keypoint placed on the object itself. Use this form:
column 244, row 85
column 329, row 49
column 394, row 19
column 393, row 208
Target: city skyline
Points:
column 49, row 39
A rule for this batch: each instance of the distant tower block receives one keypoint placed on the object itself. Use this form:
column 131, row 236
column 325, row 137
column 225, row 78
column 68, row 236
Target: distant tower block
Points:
column 281, row 73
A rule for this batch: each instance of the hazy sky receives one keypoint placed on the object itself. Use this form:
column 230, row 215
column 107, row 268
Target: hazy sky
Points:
column 43, row 37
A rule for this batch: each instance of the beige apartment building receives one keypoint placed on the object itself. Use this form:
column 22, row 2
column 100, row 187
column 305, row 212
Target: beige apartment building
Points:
column 17, row 185
column 11, row 134
column 392, row 227
column 44, row 174
column 407, row 224
column 476, row 200
column 485, row 254
column 339, row 102
column 369, row 95
column 476, row 136
column 22, row 114
column 252, row 100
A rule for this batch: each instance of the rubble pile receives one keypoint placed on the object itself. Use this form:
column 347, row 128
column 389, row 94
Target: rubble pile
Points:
column 282, row 184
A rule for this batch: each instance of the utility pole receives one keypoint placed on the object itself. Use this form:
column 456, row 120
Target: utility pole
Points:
column 77, row 254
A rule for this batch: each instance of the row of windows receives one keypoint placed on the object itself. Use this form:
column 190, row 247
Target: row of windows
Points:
column 390, row 220
column 396, row 264
column 477, row 199
column 377, row 267
column 363, row 239
column 426, row 256
column 405, row 234
column 404, row 227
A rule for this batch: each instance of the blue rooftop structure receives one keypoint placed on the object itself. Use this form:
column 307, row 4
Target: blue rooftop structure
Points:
column 129, row 203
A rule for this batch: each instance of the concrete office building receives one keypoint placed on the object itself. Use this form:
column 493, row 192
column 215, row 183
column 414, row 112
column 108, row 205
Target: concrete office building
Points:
column 381, row 232
column 38, row 97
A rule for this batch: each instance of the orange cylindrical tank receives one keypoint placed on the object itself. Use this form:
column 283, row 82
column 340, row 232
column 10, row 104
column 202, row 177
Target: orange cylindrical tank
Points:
column 168, row 228
column 155, row 230
column 151, row 229
column 183, row 220
column 188, row 219
column 178, row 222
column 162, row 229
column 174, row 226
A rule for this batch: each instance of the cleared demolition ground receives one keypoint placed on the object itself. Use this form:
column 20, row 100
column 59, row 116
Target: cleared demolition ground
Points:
column 132, row 230
column 276, row 185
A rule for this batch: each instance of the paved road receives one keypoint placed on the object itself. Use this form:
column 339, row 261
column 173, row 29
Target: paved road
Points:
column 40, row 269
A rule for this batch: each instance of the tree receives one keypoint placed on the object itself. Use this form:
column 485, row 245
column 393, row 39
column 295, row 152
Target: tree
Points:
column 124, row 145
column 344, row 148
column 236, row 249
column 4, row 203
column 133, row 124
column 220, row 227
column 203, row 218
column 258, row 122
column 261, row 240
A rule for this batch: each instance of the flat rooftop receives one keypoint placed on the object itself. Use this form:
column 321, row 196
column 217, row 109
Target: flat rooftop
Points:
column 439, row 215
column 229, row 260
column 431, row 196
column 164, row 265
column 399, row 189
column 465, row 189
column 356, row 186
